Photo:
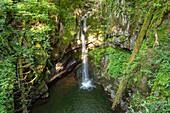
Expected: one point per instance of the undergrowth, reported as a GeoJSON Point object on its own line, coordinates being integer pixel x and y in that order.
{"type": "Point", "coordinates": [117, 60]}
{"type": "Point", "coordinates": [152, 63]}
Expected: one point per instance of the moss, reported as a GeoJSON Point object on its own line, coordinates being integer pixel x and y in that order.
{"type": "Point", "coordinates": [139, 79]}
{"type": "Point", "coordinates": [142, 34]}
{"type": "Point", "coordinates": [156, 22]}
{"type": "Point", "coordinates": [119, 92]}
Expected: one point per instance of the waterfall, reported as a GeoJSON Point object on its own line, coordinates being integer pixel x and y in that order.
{"type": "Point", "coordinates": [85, 73]}
{"type": "Point", "coordinates": [86, 82]}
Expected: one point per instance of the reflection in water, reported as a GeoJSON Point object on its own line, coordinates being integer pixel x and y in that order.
{"type": "Point", "coordinates": [67, 97]}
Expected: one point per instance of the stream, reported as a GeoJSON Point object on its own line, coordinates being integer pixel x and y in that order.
{"type": "Point", "coordinates": [67, 97]}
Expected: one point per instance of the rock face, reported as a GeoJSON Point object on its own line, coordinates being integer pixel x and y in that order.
{"type": "Point", "coordinates": [122, 33]}
{"type": "Point", "coordinates": [40, 90]}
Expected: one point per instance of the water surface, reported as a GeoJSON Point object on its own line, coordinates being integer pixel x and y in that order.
{"type": "Point", "coordinates": [67, 97]}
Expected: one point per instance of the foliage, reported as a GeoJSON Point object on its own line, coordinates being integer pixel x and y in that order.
{"type": "Point", "coordinates": [150, 104]}
{"type": "Point", "coordinates": [7, 67]}
{"type": "Point", "coordinates": [117, 60]}
{"type": "Point", "coordinates": [7, 70]}
{"type": "Point", "coordinates": [156, 69]}
{"type": "Point", "coordinates": [28, 29]}
{"type": "Point", "coordinates": [151, 62]}
{"type": "Point", "coordinates": [117, 63]}
{"type": "Point", "coordinates": [97, 55]}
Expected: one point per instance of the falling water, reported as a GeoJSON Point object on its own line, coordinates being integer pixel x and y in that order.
{"type": "Point", "coordinates": [86, 82]}
{"type": "Point", "coordinates": [85, 61]}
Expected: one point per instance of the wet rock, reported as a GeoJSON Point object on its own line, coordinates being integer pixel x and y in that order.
{"type": "Point", "coordinates": [109, 85]}
{"type": "Point", "coordinates": [125, 43]}
{"type": "Point", "coordinates": [39, 89]}
{"type": "Point", "coordinates": [42, 88]}
{"type": "Point", "coordinates": [112, 94]}
{"type": "Point", "coordinates": [124, 105]}
{"type": "Point", "coordinates": [133, 40]}
{"type": "Point", "coordinates": [46, 95]}
{"type": "Point", "coordinates": [117, 41]}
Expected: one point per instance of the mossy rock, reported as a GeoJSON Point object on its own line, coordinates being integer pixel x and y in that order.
{"type": "Point", "coordinates": [42, 88]}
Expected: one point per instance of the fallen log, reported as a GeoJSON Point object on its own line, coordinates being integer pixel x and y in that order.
{"type": "Point", "coordinates": [57, 75]}
{"type": "Point", "coordinates": [65, 71]}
